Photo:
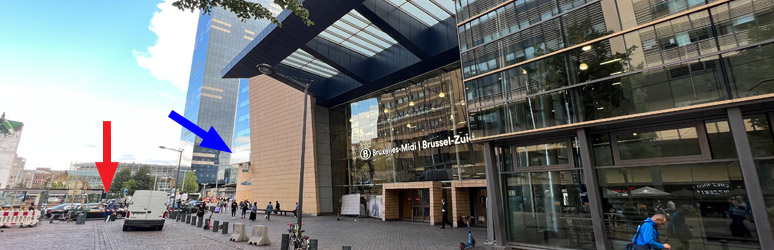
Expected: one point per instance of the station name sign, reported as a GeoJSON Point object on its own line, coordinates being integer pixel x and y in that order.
{"type": "Point", "coordinates": [368, 153]}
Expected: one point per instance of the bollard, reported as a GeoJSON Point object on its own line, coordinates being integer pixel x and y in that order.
{"type": "Point", "coordinates": [215, 226]}
{"type": "Point", "coordinates": [177, 217]}
{"type": "Point", "coordinates": [225, 227]}
{"type": "Point", "coordinates": [199, 221]}
{"type": "Point", "coordinates": [346, 248]}
{"type": "Point", "coordinates": [285, 243]}
{"type": "Point", "coordinates": [193, 220]}
{"type": "Point", "coordinates": [206, 224]}
{"type": "Point", "coordinates": [188, 219]}
{"type": "Point", "coordinates": [312, 244]}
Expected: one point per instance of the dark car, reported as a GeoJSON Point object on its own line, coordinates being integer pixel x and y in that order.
{"type": "Point", "coordinates": [60, 209]}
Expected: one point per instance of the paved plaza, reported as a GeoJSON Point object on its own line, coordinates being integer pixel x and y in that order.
{"type": "Point", "coordinates": [360, 233]}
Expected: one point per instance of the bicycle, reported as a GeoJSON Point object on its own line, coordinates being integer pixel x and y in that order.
{"type": "Point", "coordinates": [471, 242]}
{"type": "Point", "coordinates": [57, 218]}
{"type": "Point", "coordinates": [299, 241]}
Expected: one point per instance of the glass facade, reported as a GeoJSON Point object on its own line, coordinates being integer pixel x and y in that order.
{"type": "Point", "coordinates": [412, 131]}
{"type": "Point", "coordinates": [534, 65]}
{"type": "Point", "coordinates": [212, 101]}
{"type": "Point", "coordinates": [573, 63]}
{"type": "Point", "coordinates": [240, 147]}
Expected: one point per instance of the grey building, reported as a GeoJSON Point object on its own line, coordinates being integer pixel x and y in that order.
{"type": "Point", "coordinates": [595, 115]}
{"type": "Point", "coordinates": [211, 100]}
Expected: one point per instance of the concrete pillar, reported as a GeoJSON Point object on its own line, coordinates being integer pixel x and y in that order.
{"type": "Point", "coordinates": [391, 204]}
{"type": "Point", "coordinates": [461, 204]}
{"type": "Point", "coordinates": [436, 211]}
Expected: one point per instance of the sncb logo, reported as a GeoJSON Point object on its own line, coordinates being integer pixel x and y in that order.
{"type": "Point", "coordinates": [365, 154]}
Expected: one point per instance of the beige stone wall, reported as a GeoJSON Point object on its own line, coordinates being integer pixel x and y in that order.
{"type": "Point", "coordinates": [276, 112]}
{"type": "Point", "coordinates": [461, 199]}
{"type": "Point", "coordinates": [243, 192]}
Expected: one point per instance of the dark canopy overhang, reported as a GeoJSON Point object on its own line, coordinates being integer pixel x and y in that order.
{"type": "Point", "coordinates": [419, 48]}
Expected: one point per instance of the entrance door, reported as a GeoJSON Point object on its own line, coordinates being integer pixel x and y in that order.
{"type": "Point", "coordinates": [478, 206]}
{"type": "Point", "coordinates": [415, 205]}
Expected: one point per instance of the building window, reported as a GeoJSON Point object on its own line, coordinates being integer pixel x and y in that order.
{"type": "Point", "coordinates": [549, 208]}
{"type": "Point", "coordinates": [658, 144]}
{"type": "Point", "coordinates": [705, 204]}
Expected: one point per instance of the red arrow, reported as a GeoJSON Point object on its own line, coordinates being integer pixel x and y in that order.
{"type": "Point", "coordinates": [106, 168]}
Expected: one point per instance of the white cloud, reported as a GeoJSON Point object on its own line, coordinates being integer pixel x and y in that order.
{"type": "Point", "coordinates": [170, 58]}
{"type": "Point", "coordinates": [165, 95]}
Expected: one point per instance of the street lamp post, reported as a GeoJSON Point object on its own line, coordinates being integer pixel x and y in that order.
{"type": "Point", "coordinates": [177, 176]}
{"type": "Point", "coordinates": [269, 70]}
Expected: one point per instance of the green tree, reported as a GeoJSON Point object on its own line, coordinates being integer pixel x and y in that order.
{"type": "Point", "coordinates": [20, 186]}
{"type": "Point", "coordinates": [246, 9]}
{"type": "Point", "coordinates": [123, 175]}
{"type": "Point", "coordinates": [131, 185]}
{"type": "Point", "coordinates": [143, 178]}
{"type": "Point", "coordinates": [189, 183]}
{"type": "Point", "coordinates": [58, 185]}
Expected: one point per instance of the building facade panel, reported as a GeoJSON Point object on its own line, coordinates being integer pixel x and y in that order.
{"type": "Point", "coordinates": [650, 87]}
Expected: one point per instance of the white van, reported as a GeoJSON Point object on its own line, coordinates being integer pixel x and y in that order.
{"type": "Point", "coordinates": [146, 210]}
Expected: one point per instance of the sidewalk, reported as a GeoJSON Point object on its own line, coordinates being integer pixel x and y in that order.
{"type": "Point", "coordinates": [359, 233]}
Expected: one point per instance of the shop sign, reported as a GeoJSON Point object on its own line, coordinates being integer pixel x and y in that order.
{"type": "Point", "coordinates": [368, 153]}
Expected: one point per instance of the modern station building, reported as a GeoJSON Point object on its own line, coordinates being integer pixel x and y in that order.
{"type": "Point", "coordinates": [387, 111]}
{"type": "Point", "coordinates": [557, 124]}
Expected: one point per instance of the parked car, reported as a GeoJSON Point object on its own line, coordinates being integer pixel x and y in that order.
{"type": "Point", "coordinates": [148, 209]}
{"type": "Point", "coordinates": [60, 209]}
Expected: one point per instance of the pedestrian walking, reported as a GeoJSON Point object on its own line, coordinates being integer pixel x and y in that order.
{"type": "Point", "coordinates": [233, 209]}
{"type": "Point", "coordinates": [253, 211]}
{"type": "Point", "coordinates": [277, 209]}
{"type": "Point", "coordinates": [268, 211]}
{"type": "Point", "coordinates": [445, 214]}
{"type": "Point", "coordinates": [295, 211]}
{"type": "Point", "coordinates": [202, 208]}
{"type": "Point", "coordinates": [647, 235]}
{"type": "Point", "coordinates": [244, 209]}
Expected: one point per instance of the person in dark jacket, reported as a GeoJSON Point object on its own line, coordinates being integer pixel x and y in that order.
{"type": "Point", "coordinates": [253, 210]}
{"type": "Point", "coordinates": [201, 209]}
{"type": "Point", "coordinates": [445, 215]}
{"type": "Point", "coordinates": [233, 209]}
{"type": "Point", "coordinates": [647, 234]}
{"type": "Point", "coordinates": [244, 209]}
{"type": "Point", "coordinates": [277, 208]}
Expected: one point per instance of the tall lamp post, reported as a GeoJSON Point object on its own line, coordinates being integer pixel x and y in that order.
{"type": "Point", "coordinates": [269, 70]}
{"type": "Point", "coordinates": [177, 176]}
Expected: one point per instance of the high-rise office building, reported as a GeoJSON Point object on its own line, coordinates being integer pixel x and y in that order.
{"type": "Point", "coordinates": [596, 115]}
{"type": "Point", "coordinates": [10, 134]}
{"type": "Point", "coordinates": [211, 100]}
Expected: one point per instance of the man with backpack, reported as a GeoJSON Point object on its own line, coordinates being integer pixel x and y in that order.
{"type": "Point", "coordinates": [646, 236]}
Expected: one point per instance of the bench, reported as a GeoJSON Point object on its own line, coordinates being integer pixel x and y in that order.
{"type": "Point", "coordinates": [282, 212]}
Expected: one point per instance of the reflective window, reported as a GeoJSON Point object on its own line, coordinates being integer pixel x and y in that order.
{"type": "Point", "coordinates": [543, 155]}
{"type": "Point", "coordinates": [549, 208]}
{"type": "Point", "coordinates": [602, 149]}
{"type": "Point", "coordinates": [766, 176]}
{"type": "Point", "coordinates": [658, 144]}
{"type": "Point", "coordinates": [759, 133]}
{"type": "Point", "coordinates": [706, 205]}
{"type": "Point", "coordinates": [720, 139]}
{"type": "Point", "coordinates": [749, 70]}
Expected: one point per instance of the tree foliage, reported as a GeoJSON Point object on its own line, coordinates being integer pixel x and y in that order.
{"type": "Point", "coordinates": [246, 9]}
{"type": "Point", "coordinates": [59, 185]}
{"type": "Point", "coordinates": [123, 175]}
{"type": "Point", "coordinates": [20, 186]}
{"type": "Point", "coordinates": [143, 178]}
{"type": "Point", "coordinates": [189, 183]}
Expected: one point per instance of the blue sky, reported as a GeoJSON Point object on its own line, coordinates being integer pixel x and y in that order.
{"type": "Point", "coordinates": [68, 65]}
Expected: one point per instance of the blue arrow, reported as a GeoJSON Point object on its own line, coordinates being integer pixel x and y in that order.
{"type": "Point", "coordinates": [210, 139]}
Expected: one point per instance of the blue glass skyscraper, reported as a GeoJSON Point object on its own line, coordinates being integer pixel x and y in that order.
{"type": "Point", "coordinates": [212, 100]}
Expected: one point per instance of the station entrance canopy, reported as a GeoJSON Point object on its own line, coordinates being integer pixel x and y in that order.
{"type": "Point", "coordinates": [355, 47]}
